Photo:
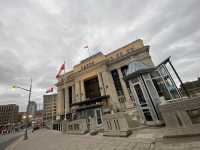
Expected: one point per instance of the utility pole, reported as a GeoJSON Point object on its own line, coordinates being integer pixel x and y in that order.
{"type": "Point", "coordinates": [29, 98]}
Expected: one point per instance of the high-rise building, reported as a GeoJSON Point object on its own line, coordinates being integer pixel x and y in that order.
{"type": "Point", "coordinates": [8, 114]}
{"type": "Point", "coordinates": [32, 108]}
{"type": "Point", "coordinates": [49, 108]}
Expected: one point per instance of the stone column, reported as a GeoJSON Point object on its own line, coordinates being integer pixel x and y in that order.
{"type": "Point", "coordinates": [83, 97]}
{"type": "Point", "coordinates": [129, 103]}
{"type": "Point", "coordinates": [60, 102]}
{"type": "Point", "coordinates": [110, 89]}
{"type": "Point", "coordinates": [67, 99]}
{"type": "Point", "coordinates": [77, 91]}
{"type": "Point", "coordinates": [101, 84]}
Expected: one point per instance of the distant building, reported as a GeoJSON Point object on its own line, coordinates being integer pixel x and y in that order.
{"type": "Point", "coordinates": [38, 119]}
{"type": "Point", "coordinates": [49, 108]}
{"type": "Point", "coordinates": [8, 114]}
{"type": "Point", "coordinates": [193, 87]}
{"type": "Point", "coordinates": [32, 108]}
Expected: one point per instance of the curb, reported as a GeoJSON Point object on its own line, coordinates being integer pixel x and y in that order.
{"type": "Point", "coordinates": [14, 144]}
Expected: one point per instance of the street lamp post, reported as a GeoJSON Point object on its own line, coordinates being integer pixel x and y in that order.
{"type": "Point", "coordinates": [29, 97]}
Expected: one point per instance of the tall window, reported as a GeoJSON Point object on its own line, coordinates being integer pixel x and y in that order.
{"type": "Point", "coordinates": [92, 89]}
{"type": "Point", "coordinates": [117, 82]}
{"type": "Point", "coordinates": [160, 86]}
{"type": "Point", "coordinates": [140, 94]}
{"type": "Point", "coordinates": [168, 81]}
{"type": "Point", "coordinates": [124, 71]}
{"type": "Point", "coordinates": [70, 95]}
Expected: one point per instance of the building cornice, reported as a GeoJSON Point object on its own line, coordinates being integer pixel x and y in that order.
{"type": "Point", "coordinates": [128, 55]}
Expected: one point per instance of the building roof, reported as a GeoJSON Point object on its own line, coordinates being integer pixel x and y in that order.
{"type": "Point", "coordinates": [110, 58]}
{"type": "Point", "coordinates": [99, 53]}
{"type": "Point", "coordinates": [136, 68]}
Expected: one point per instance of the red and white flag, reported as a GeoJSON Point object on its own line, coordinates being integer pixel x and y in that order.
{"type": "Point", "coordinates": [49, 90]}
{"type": "Point", "coordinates": [62, 68]}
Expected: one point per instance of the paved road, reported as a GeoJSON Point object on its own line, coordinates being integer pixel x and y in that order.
{"type": "Point", "coordinates": [6, 140]}
{"type": "Point", "coordinates": [53, 140]}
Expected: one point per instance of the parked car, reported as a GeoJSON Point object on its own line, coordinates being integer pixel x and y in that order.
{"type": "Point", "coordinates": [4, 131]}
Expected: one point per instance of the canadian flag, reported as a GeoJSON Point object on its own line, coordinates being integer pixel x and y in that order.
{"type": "Point", "coordinates": [62, 68]}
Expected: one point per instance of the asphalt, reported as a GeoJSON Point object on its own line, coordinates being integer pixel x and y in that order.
{"type": "Point", "coordinates": [6, 140]}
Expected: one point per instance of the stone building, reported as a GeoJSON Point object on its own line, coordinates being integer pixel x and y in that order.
{"type": "Point", "coordinates": [95, 86]}
{"type": "Point", "coordinates": [193, 87]}
{"type": "Point", "coordinates": [8, 114]}
{"type": "Point", "coordinates": [49, 108]}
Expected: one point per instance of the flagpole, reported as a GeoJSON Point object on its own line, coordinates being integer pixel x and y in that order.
{"type": "Point", "coordinates": [88, 51]}
{"type": "Point", "coordinates": [64, 66]}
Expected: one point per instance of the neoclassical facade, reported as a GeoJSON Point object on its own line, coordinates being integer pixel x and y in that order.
{"type": "Point", "coordinates": [95, 86]}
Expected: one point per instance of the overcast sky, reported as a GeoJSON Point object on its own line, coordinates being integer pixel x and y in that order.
{"type": "Point", "coordinates": [36, 36]}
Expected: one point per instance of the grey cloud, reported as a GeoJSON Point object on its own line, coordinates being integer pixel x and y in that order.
{"type": "Point", "coordinates": [10, 67]}
{"type": "Point", "coordinates": [37, 36]}
{"type": "Point", "coordinates": [10, 95]}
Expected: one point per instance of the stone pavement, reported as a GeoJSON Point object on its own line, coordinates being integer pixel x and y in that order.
{"type": "Point", "coordinates": [143, 140]}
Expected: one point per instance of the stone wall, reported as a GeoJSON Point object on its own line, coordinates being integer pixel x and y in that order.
{"type": "Point", "coordinates": [75, 126]}
{"type": "Point", "coordinates": [182, 117]}
{"type": "Point", "coordinates": [116, 125]}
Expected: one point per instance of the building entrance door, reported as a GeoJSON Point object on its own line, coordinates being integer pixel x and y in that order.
{"type": "Point", "coordinates": [142, 101]}
{"type": "Point", "coordinates": [98, 114]}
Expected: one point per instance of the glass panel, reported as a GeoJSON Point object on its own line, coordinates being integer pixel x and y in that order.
{"type": "Point", "coordinates": [92, 89]}
{"type": "Point", "coordinates": [99, 119]}
{"type": "Point", "coordinates": [162, 71]}
{"type": "Point", "coordinates": [117, 82]}
{"type": "Point", "coordinates": [70, 95]}
{"type": "Point", "coordinates": [147, 115]}
{"type": "Point", "coordinates": [168, 81]}
{"type": "Point", "coordinates": [152, 89]}
{"type": "Point", "coordinates": [154, 74]}
{"type": "Point", "coordinates": [171, 87]}
{"type": "Point", "coordinates": [134, 80]}
{"type": "Point", "coordinates": [124, 70]}
{"type": "Point", "coordinates": [140, 94]}
{"type": "Point", "coordinates": [161, 88]}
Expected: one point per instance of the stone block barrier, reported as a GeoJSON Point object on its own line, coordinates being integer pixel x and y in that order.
{"type": "Point", "coordinates": [75, 127]}
{"type": "Point", "coordinates": [115, 125]}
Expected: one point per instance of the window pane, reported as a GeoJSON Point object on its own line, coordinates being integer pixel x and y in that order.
{"type": "Point", "coordinates": [161, 88]}
{"type": "Point", "coordinates": [147, 115]}
{"type": "Point", "coordinates": [99, 120]}
{"type": "Point", "coordinates": [139, 94]}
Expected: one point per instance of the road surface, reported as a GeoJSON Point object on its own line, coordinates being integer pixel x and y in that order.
{"type": "Point", "coordinates": [6, 140]}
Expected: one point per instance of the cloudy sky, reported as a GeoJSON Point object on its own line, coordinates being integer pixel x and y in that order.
{"type": "Point", "coordinates": [36, 36]}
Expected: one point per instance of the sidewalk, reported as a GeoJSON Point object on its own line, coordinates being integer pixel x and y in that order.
{"type": "Point", "coordinates": [53, 140]}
